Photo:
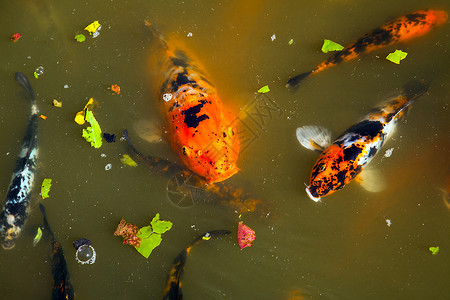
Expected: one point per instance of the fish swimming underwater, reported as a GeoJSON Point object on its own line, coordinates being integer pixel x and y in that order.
{"type": "Point", "coordinates": [401, 29]}
{"type": "Point", "coordinates": [223, 193]}
{"type": "Point", "coordinates": [62, 287]}
{"type": "Point", "coordinates": [17, 202]}
{"type": "Point", "coordinates": [340, 162]}
{"type": "Point", "coordinates": [172, 290]}
{"type": "Point", "coordinates": [199, 129]}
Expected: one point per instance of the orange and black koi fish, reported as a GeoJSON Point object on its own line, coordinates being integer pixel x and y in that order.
{"type": "Point", "coordinates": [342, 161]}
{"type": "Point", "coordinates": [199, 129]}
{"type": "Point", "coordinates": [172, 290]}
{"type": "Point", "coordinates": [62, 287]}
{"type": "Point", "coordinates": [401, 29]}
{"type": "Point", "coordinates": [219, 192]}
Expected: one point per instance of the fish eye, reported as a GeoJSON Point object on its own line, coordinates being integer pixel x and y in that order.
{"type": "Point", "coordinates": [322, 167]}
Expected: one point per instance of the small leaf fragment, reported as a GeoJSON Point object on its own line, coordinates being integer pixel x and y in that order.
{"type": "Point", "coordinates": [57, 103]}
{"type": "Point", "coordinates": [91, 28]}
{"type": "Point", "coordinates": [291, 41]}
{"type": "Point", "coordinates": [45, 187]}
{"type": "Point", "coordinates": [331, 46]}
{"type": "Point", "coordinates": [110, 138]}
{"type": "Point", "coordinates": [264, 89]}
{"type": "Point", "coordinates": [434, 250]}
{"type": "Point", "coordinates": [115, 88]}
{"type": "Point", "coordinates": [245, 235]}
{"type": "Point", "coordinates": [160, 226]}
{"type": "Point", "coordinates": [43, 117]}
{"type": "Point", "coordinates": [80, 38]}
{"type": "Point", "coordinates": [396, 56]}
{"type": "Point", "coordinates": [127, 160]}
{"type": "Point", "coordinates": [37, 237]}
{"type": "Point", "coordinates": [15, 37]}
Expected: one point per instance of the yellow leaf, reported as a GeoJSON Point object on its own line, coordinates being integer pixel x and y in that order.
{"type": "Point", "coordinates": [127, 160]}
{"type": "Point", "coordinates": [79, 118]}
{"type": "Point", "coordinates": [57, 103]}
{"type": "Point", "coordinates": [92, 27]}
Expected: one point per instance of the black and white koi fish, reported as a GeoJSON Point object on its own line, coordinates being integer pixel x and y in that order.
{"type": "Point", "coordinates": [172, 290]}
{"type": "Point", "coordinates": [17, 202]}
{"type": "Point", "coordinates": [341, 162]}
{"type": "Point", "coordinates": [62, 287]}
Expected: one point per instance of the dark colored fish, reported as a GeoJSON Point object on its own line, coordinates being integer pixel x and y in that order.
{"type": "Point", "coordinates": [17, 202]}
{"type": "Point", "coordinates": [172, 290]}
{"type": "Point", "coordinates": [62, 287]}
{"type": "Point", "coordinates": [344, 160]}
{"type": "Point", "coordinates": [219, 192]}
{"type": "Point", "coordinates": [399, 30]}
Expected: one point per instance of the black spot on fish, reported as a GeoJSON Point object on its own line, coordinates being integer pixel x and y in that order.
{"type": "Point", "coordinates": [367, 128]}
{"type": "Point", "coordinates": [378, 36]}
{"type": "Point", "coordinates": [179, 62]}
{"type": "Point", "coordinates": [416, 18]}
{"type": "Point", "coordinates": [182, 79]}
{"type": "Point", "coordinates": [190, 115]}
{"type": "Point", "coordinates": [373, 151]}
{"type": "Point", "coordinates": [351, 153]}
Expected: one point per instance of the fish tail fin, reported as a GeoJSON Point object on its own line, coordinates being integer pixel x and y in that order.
{"type": "Point", "coordinates": [293, 82]}
{"type": "Point", "coordinates": [172, 289]}
{"type": "Point", "coordinates": [157, 34]}
{"type": "Point", "coordinates": [46, 224]}
{"type": "Point", "coordinates": [25, 83]}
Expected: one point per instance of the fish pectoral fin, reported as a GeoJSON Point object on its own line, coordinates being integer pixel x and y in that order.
{"type": "Point", "coordinates": [371, 180]}
{"type": "Point", "coordinates": [314, 137]}
{"type": "Point", "coordinates": [148, 130]}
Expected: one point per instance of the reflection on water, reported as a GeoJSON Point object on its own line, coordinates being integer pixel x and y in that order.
{"type": "Point", "coordinates": [340, 248]}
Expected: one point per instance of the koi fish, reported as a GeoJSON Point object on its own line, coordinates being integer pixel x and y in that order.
{"type": "Point", "coordinates": [62, 287]}
{"type": "Point", "coordinates": [17, 202]}
{"type": "Point", "coordinates": [200, 189]}
{"type": "Point", "coordinates": [199, 129]}
{"type": "Point", "coordinates": [341, 162]}
{"type": "Point", "coordinates": [172, 290]}
{"type": "Point", "coordinates": [401, 29]}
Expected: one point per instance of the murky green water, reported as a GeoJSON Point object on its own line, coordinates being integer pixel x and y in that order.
{"type": "Point", "coordinates": [341, 248]}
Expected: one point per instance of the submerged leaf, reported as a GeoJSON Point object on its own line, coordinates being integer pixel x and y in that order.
{"type": "Point", "coordinates": [331, 46]}
{"type": "Point", "coordinates": [396, 56]}
{"type": "Point", "coordinates": [264, 89]}
{"type": "Point", "coordinates": [45, 187]}
{"type": "Point", "coordinates": [127, 160]}
{"type": "Point", "coordinates": [37, 237]}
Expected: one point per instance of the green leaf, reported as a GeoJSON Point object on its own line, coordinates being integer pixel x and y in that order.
{"type": "Point", "coordinates": [127, 160]}
{"type": "Point", "coordinates": [291, 41]}
{"type": "Point", "coordinates": [45, 187]}
{"type": "Point", "coordinates": [396, 56]}
{"type": "Point", "coordinates": [434, 250]}
{"type": "Point", "coordinates": [145, 232]}
{"type": "Point", "coordinates": [92, 134]}
{"type": "Point", "coordinates": [160, 226]}
{"type": "Point", "coordinates": [80, 38]}
{"type": "Point", "coordinates": [148, 244]}
{"type": "Point", "coordinates": [37, 237]}
{"type": "Point", "coordinates": [264, 89]}
{"type": "Point", "coordinates": [331, 46]}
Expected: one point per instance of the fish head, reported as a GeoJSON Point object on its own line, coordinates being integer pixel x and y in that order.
{"type": "Point", "coordinates": [437, 17]}
{"type": "Point", "coordinates": [329, 173]}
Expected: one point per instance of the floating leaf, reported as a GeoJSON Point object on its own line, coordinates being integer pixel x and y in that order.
{"type": "Point", "coordinates": [37, 237]}
{"type": "Point", "coordinates": [264, 89]}
{"type": "Point", "coordinates": [396, 56]}
{"type": "Point", "coordinates": [57, 103]}
{"type": "Point", "coordinates": [331, 46]}
{"type": "Point", "coordinates": [291, 41]}
{"type": "Point", "coordinates": [115, 88]}
{"type": "Point", "coordinates": [245, 235]}
{"type": "Point", "coordinates": [127, 160]}
{"type": "Point", "coordinates": [93, 133]}
{"type": "Point", "coordinates": [15, 37]}
{"type": "Point", "coordinates": [43, 117]}
{"type": "Point", "coordinates": [45, 187]}
{"type": "Point", "coordinates": [79, 118]}
{"type": "Point", "coordinates": [80, 38]}
{"type": "Point", "coordinates": [434, 250]}
{"type": "Point", "coordinates": [110, 138]}
{"type": "Point", "coordinates": [91, 28]}
{"type": "Point", "coordinates": [148, 244]}
{"type": "Point", "coordinates": [160, 226]}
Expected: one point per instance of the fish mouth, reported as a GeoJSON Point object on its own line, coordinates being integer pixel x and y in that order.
{"type": "Point", "coordinates": [315, 199]}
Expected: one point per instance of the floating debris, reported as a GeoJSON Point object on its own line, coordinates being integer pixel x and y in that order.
{"type": "Point", "coordinates": [331, 46]}
{"type": "Point", "coordinates": [80, 38]}
{"type": "Point", "coordinates": [85, 252]}
{"type": "Point", "coordinates": [264, 89]}
{"type": "Point", "coordinates": [15, 37]}
{"type": "Point", "coordinates": [396, 56]}
{"type": "Point", "coordinates": [245, 235]}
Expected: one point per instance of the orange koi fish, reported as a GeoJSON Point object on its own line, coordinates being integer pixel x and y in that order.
{"type": "Point", "coordinates": [401, 29]}
{"type": "Point", "coordinates": [341, 162]}
{"type": "Point", "coordinates": [199, 129]}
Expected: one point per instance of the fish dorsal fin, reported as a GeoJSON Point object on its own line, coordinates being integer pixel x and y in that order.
{"type": "Point", "coordinates": [148, 130]}
{"type": "Point", "coordinates": [314, 137]}
{"type": "Point", "coordinates": [371, 180]}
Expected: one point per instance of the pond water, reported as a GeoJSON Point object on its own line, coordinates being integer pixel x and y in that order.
{"type": "Point", "coordinates": [352, 245]}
